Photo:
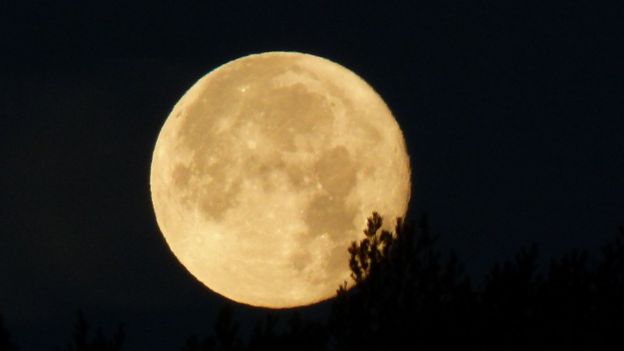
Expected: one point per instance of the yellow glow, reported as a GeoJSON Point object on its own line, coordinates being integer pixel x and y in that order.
{"type": "Point", "coordinates": [266, 170]}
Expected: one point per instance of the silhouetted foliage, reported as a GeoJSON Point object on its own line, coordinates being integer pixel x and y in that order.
{"type": "Point", "coordinates": [226, 330]}
{"type": "Point", "coordinates": [404, 290]}
{"type": "Point", "coordinates": [83, 341]}
{"type": "Point", "coordinates": [299, 335]}
{"type": "Point", "coordinates": [407, 295]}
{"type": "Point", "coordinates": [507, 302]}
{"type": "Point", "coordinates": [193, 343]}
{"type": "Point", "coordinates": [224, 335]}
{"type": "Point", "coordinates": [5, 338]}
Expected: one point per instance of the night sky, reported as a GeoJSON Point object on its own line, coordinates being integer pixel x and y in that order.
{"type": "Point", "coordinates": [513, 115]}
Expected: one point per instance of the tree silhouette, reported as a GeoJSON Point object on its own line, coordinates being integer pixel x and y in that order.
{"type": "Point", "coordinates": [5, 338]}
{"type": "Point", "coordinates": [193, 343]}
{"type": "Point", "coordinates": [82, 340]}
{"type": "Point", "coordinates": [403, 290]}
{"type": "Point", "coordinates": [299, 335]}
{"type": "Point", "coordinates": [607, 294]}
{"type": "Point", "coordinates": [407, 295]}
{"type": "Point", "coordinates": [264, 334]}
{"type": "Point", "coordinates": [226, 330]}
{"type": "Point", "coordinates": [224, 335]}
{"type": "Point", "coordinates": [508, 301]}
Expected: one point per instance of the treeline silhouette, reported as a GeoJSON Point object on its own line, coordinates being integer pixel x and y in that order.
{"type": "Point", "coordinates": [5, 338]}
{"type": "Point", "coordinates": [84, 340]}
{"type": "Point", "coordinates": [407, 295]}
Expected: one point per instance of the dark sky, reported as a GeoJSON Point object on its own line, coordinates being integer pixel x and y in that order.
{"type": "Point", "coordinates": [513, 115]}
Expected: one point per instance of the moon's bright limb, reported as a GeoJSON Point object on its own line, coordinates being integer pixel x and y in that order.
{"type": "Point", "coordinates": [266, 170]}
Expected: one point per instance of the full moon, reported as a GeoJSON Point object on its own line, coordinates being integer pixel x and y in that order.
{"type": "Point", "coordinates": [266, 170]}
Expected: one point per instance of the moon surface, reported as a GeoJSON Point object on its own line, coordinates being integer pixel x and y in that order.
{"type": "Point", "coordinates": [267, 169]}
